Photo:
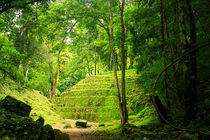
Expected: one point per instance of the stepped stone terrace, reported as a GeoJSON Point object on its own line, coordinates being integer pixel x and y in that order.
{"type": "Point", "coordinates": [94, 98]}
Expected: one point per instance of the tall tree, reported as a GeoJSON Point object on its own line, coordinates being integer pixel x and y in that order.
{"type": "Point", "coordinates": [123, 59]}
{"type": "Point", "coordinates": [110, 34]}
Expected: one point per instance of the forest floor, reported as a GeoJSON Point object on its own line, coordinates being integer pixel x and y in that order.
{"type": "Point", "coordinates": [77, 133]}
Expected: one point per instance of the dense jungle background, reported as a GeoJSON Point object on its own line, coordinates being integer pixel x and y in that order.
{"type": "Point", "coordinates": [120, 69]}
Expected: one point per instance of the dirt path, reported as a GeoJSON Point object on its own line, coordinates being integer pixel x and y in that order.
{"type": "Point", "coordinates": [77, 133]}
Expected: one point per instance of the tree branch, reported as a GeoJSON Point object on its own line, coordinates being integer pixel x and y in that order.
{"type": "Point", "coordinates": [12, 5]}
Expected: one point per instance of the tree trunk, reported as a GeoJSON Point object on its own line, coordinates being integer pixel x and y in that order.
{"type": "Point", "coordinates": [51, 80]}
{"type": "Point", "coordinates": [187, 71]}
{"type": "Point", "coordinates": [95, 68]}
{"type": "Point", "coordinates": [56, 75]}
{"type": "Point", "coordinates": [107, 62]}
{"type": "Point", "coordinates": [126, 56]}
{"type": "Point", "coordinates": [176, 50]}
{"type": "Point", "coordinates": [111, 61]}
{"type": "Point", "coordinates": [193, 62]}
{"type": "Point", "coordinates": [99, 63]}
{"type": "Point", "coordinates": [164, 51]}
{"type": "Point", "coordinates": [88, 67]}
{"type": "Point", "coordinates": [183, 67]}
{"type": "Point", "coordinates": [26, 75]}
{"type": "Point", "coordinates": [116, 62]}
{"type": "Point", "coordinates": [114, 65]}
{"type": "Point", "coordinates": [125, 112]}
{"type": "Point", "coordinates": [131, 62]}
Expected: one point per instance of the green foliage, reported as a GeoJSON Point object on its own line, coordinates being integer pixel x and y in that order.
{"type": "Point", "coordinates": [148, 76]}
{"type": "Point", "coordinates": [188, 136]}
{"type": "Point", "coordinates": [8, 58]}
{"type": "Point", "coordinates": [203, 65]}
{"type": "Point", "coordinates": [33, 35]}
{"type": "Point", "coordinates": [39, 78]}
{"type": "Point", "coordinates": [71, 73]}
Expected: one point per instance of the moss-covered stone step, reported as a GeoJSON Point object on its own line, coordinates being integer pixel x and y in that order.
{"type": "Point", "coordinates": [132, 78]}
{"type": "Point", "coordinates": [88, 109]}
{"type": "Point", "coordinates": [95, 84]}
{"type": "Point", "coordinates": [84, 101]}
{"type": "Point", "coordinates": [83, 93]}
{"type": "Point", "coordinates": [94, 116]}
{"type": "Point", "coordinates": [90, 89]}
{"type": "Point", "coordinates": [94, 98]}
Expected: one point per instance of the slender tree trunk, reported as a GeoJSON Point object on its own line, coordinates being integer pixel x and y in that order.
{"type": "Point", "coordinates": [164, 51]}
{"type": "Point", "coordinates": [193, 62]}
{"type": "Point", "coordinates": [116, 62]}
{"type": "Point", "coordinates": [111, 61]}
{"type": "Point", "coordinates": [88, 67]}
{"type": "Point", "coordinates": [131, 62]}
{"type": "Point", "coordinates": [172, 59]}
{"type": "Point", "coordinates": [114, 66]}
{"type": "Point", "coordinates": [26, 75]}
{"type": "Point", "coordinates": [56, 75]}
{"type": "Point", "coordinates": [125, 112]}
{"type": "Point", "coordinates": [50, 74]}
{"type": "Point", "coordinates": [95, 69]}
{"type": "Point", "coordinates": [176, 50]}
{"type": "Point", "coordinates": [99, 65]}
{"type": "Point", "coordinates": [107, 62]}
{"type": "Point", "coordinates": [126, 56]}
{"type": "Point", "coordinates": [51, 80]}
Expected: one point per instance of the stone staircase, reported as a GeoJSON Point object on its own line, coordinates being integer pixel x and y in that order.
{"type": "Point", "coordinates": [94, 98]}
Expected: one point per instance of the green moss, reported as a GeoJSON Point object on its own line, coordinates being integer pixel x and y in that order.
{"type": "Point", "coordinates": [113, 130]}
{"type": "Point", "coordinates": [39, 103]}
{"type": "Point", "coordinates": [67, 126]}
{"type": "Point", "coordinates": [146, 116]}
